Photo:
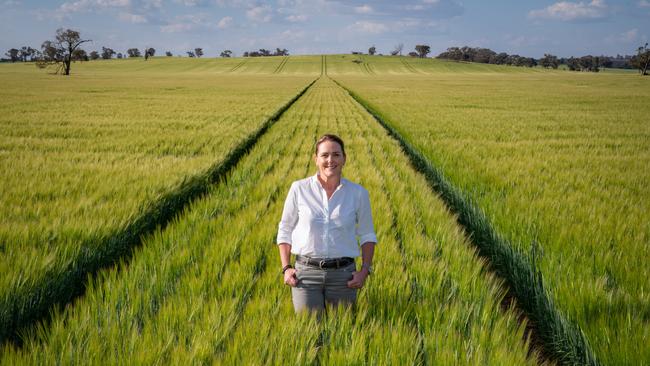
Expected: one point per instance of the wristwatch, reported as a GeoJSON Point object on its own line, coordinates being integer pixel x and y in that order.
{"type": "Point", "coordinates": [284, 269]}
{"type": "Point", "coordinates": [368, 267]}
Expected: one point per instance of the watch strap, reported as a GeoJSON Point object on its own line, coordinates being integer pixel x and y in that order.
{"type": "Point", "coordinates": [284, 269]}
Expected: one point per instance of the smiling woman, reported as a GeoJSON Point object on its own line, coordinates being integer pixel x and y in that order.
{"type": "Point", "coordinates": [323, 217]}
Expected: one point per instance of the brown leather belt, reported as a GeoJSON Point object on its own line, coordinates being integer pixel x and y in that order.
{"type": "Point", "coordinates": [325, 263]}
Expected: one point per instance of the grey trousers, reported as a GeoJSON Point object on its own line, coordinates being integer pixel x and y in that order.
{"type": "Point", "coordinates": [318, 287]}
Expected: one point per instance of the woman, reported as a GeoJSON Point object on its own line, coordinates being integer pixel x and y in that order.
{"type": "Point", "coordinates": [323, 217]}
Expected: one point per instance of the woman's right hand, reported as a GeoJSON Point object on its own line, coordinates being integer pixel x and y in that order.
{"type": "Point", "coordinates": [290, 277]}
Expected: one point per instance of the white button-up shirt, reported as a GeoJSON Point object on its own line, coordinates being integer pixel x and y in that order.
{"type": "Point", "coordinates": [326, 228]}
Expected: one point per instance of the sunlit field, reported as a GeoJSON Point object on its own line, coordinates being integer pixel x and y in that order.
{"type": "Point", "coordinates": [557, 160]}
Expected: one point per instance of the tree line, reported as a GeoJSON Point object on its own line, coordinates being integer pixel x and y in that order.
{"type": "Point", "coordinates": [66, 48]}
{"type": "Point", "coordinates": [640, 61]}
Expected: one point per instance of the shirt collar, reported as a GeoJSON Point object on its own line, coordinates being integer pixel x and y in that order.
{"type": "Point", "coordinates": [315, 181]}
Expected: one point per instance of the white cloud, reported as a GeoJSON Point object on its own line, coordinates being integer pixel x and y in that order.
{"type": "Point", "coordinates": [261, 13]}
{"type": "Point", "coordinates": [292, 36]}
{"type": "Point", "coordinates": [567, 11]}
{"type": "Point", "coordinates": [189, 2]}
{"type": "Point", "coordinates": [296, 18]}
{"type": "Point", "coordinates": [89, 5]}
{"type": "Point", "coordinates": [363, 9]}
{"type": "Point", "coordinates": [368, 27]}
{"type": "Point", "coordinates": [224, 23]}
{"type": "Point", "coordinates": [132, 18]}
{"type": "Point", "coordinates": [176, 27]}
{"type": "Point", "coordinates": [184, 23]}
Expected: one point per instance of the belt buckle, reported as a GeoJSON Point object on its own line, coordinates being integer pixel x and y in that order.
{"type": "Point", "coordinates": [321, 263]}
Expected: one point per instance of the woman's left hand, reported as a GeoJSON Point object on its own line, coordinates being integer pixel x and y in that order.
{"type": "Point", "coordinates": [358, 278]}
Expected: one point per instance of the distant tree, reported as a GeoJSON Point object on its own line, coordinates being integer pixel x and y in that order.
{"type": "Point", "coordinates": [422, 50]}
{"type": "Point", "coordinates": [589, 63]}
{"type": "Point", "coordinates": [499, 59]}
{"type": "Point", "coordinates": [482, 55]}
{"type": "Point", "coordinates": [107, 53]}
{"type": "Point", "coordinates": [60, 52]}
{"type": "Point", "coordinates": [413, 54]}
{"type": "Point", "coordinates": [149, 52]}
{"type": "Point", "coordinates": [264, 52]}
{"type": "Point", "coordinates": [606, 61]}
{"type": "Point", "coordinates": [573, 64]}
{"type": "Point", "coordinates": [246, 54]}
{"type": "Point", "coordinates": [79, 55]}
{"type": "Point", "coordinates": [190, 54]}
{"type": "Point", "coordinates": [281, 52]}
{"type": "Point", "coordinates": [13, 54]}
{"type": "Point", "coordinates": [397, 50]}
{"type": "Point", "coordinates": [549, 61]}
{"type": "Point", "coordinates": [226, 53]}
{"type": "Point", "coordinates": [26, 52]}
{"type": "Point", "coordinates": [642, 59]}
{"type": "Point", "coordinates": [94, 55]}
{"type": "Point", "coordinates": [372, 50]}
{"type": "Point", "coordinates": [198, 52]}
{"type": "Point", "coordinates": [133, 52]}
{"type": "Point", "coordinates": [120, 55]}
{"type": "Point", "coordinates": [50, 52]}
{"type": "Point", "coordinates": [168, 54]}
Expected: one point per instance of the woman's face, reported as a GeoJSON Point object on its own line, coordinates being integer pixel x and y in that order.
{"type": "Point", "coordinates": [330, 159]}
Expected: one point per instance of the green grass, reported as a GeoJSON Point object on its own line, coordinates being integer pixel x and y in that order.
{"type": "Point", "coordinates": [554, 158]}
{"type": "Point", "coordinates": [83, 156]}
{"type": "Point", "coordinates": [207, 289]}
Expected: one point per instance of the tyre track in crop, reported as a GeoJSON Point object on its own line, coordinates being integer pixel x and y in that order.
{"type": "Point", "coordinates": [556, 337]}
{"type": "Point", "coordinates": [409, 66]}
{"type": "Point", "coordinates": [281, 65]}
{"type": "Point", "coordinates": [220, 345]}
{"type": "Point", "coordinates": [367, 66]}
{"type": "Point", "coordinates": [239, 65]}
{"type": "Point", "coordinates": [234, 255]}
{"type": "Point", "coordinates": [421, 358]}
{"type": "Point", "coordinates": [24, 307]}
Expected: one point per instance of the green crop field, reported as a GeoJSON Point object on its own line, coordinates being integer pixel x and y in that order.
{"type": "Point", "coordinates": [184, 165]}
{"type": "Point", "coordinates": [557, 160]}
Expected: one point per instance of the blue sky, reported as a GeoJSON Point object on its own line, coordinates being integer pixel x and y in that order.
{"type": "Point", "coordinates": [528, 28]}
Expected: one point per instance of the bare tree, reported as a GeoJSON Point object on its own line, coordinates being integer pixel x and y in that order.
{"type": "Point", "coordinates": [398, 50]}
{"type": "Point", "coordinates": [61, 51]}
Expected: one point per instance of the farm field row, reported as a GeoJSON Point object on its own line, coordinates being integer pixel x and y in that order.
{"type": "Point", "coordinates": [558, 161]}
{"type": "Point", "coordinates": [81, 157]}
{"type": "Point", "coordinates": [336, 65]}
{"type": "Point", "coordinates": [207, 288]}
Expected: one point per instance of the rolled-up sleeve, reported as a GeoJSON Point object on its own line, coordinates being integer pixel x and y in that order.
{"type": "Point", "coordinates": [365, 229]}
{"type": "Point", "coordinates": [289, 217]}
